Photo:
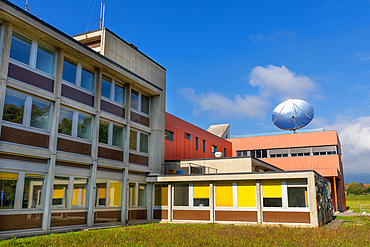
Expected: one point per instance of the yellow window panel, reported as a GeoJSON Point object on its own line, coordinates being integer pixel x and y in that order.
{"type": "Point", "coordinates": [164, 194]}
{"type": "Point", "coordinates": [35, 175]}
{"type": "Point", "coordinates": [57, 194]}
{"type": "Point", "coordinates": [8, 176]}
{"type": "Point", "coordinates": [75, 197]}
{"type": "Point", "coordinates": [102, 193]}
{"type": "Point", "coordinates": [272, 190]}
{"type": "Point", "coordinates": [306, 197]}
{"type": "Point", "coordinates": [246, 194]}
{"type": "Point", "coordinates": [83, 197]}
{"type": "Point", "coordinates": [224, 195]}
{"type": "Point", "coordinates": [115, 194]}
{"type": "Point", "coordinates": [201, 191]}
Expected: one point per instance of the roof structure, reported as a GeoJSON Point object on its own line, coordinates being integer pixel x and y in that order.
{"type": "Point", "coordinates": [220, 130]}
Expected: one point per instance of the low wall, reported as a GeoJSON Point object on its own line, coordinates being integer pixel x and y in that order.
{"type": "Point", "coordinates": [325, 209]}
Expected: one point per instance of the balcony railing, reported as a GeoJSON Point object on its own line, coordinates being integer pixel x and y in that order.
{"type": "Point", "coordinates": [175, 168]}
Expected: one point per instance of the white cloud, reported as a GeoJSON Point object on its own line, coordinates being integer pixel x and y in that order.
{"type": "Point", "coordinates": [260, 37]}
{"type": "Point", "coordinates": [274, 82]}
{"type": "Point", "coordinates": [362, 56]}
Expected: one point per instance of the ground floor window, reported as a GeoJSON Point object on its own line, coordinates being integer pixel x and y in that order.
{"type": "Point", "coordinates": [161, 195]}
{"type": "Point", "coordinates": [8, 186]}
{"type": "Point", "coordinates": [137, 194]}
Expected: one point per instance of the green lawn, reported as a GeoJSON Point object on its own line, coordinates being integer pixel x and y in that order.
{"type": "Point", "coordinates": [353, 202]}
{"type": "Point", "coordinates": [206, 235]}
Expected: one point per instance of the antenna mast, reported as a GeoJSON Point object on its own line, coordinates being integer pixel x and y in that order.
{"type": "Point", "coordinates": [102, 11]}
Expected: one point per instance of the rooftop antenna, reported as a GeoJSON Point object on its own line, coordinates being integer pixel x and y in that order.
{"type": "Point", "coordinates": [28, 9]}
{"type": "Point", "coordinates": [102, 11]}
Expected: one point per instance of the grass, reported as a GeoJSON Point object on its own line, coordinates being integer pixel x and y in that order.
{"type": "Point", "coordinates": [205, 235]}
{"type": "Point", "coordinates": [353, 202]}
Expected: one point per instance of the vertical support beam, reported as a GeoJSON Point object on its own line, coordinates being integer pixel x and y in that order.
{"type": "Point", "coordinates": [212, 202]}
{"type": "Point", "coordinates": [94, 149]}
{"type": "Point", "coordinates": [259, 203]}
{"type": "Point", "coordinates": [312, 203]}
{"type": "Point", "coordinates": [46, 219]}
{"type": "Point", "coordinates": [149, 202]}
{"type": "Point", "coordinates": [124, 206]}
{"type": "Point", "coordinates": [4, 66]}
{"type": "Point", "coordinates": [335, 193]}
{"type": "Point", "coordinates": [169, 217]}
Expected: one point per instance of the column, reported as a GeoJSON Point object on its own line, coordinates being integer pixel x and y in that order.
{"type": "Point", "coordinates": [311, 191]}
{"type": "Point", "coordinates": [46, 219]}
{"type": "Point", "coordinates": [259, 203]}
{"type": "Point", "coordinates": [149, 203]}
{"type": "Point", "coordinates": [212, 203]}
{"type": "Point", "coordinates": [4, 65]}
{"type": "Point", "coordinates": [169, 211]}
{"type": "Point", "coordinates": [335, 194]}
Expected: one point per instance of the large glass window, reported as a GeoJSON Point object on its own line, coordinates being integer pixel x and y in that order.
{"type": "Point", "coordinates": [111, 134]}
{"type": "Point", "coordinates": [32, 192]}
{"type": "Point", "coordinates": [297, 197]}
{"type": "Point", "coordinates": [60, 192]}
{"type": "Point", "coordinates": [145, 104]}
{"type": "Point", "coordinates": [115, 194]}
{"type": "Point", "coordinates": [79, 192]}
{"type": "Point", "coordinates": [45, 59]}
{"type": "Point", "coordinates": [142, 195]}
{"type": "Point", "coordinates": [84, 129]}
{"type": "Point", "coordinates": [75, 124]}
{"type": "Point", "coordinates": [101, 193]}
{"type": "Point", "coordinates": [103, 132]}
{"type": "Point", "coordinates": [118, 133]}
{"type": "Point", "coordinates": [69, 70]}
{"type": "Point", "coordinates": [65, 122]}
{"type": "Point", "coordinates": [75, 73]}
{"type": "Point", "coordinates": [106, 84]}
{"type": "Point", "coordinates": [201, 195]}
{"type": "Point", "coordinates": [161, 195]}
{"type": "Point", "coordinates": [87, 79]}
{"type": "Point", "coordinates": [131, 194]}
{"type": "Point", "coordinates": [8, 187]}
{"type": "Point", "coordinates": [134, 100]}
{"type": "Point", "coordinates": [272, 194]}
{"type": "Point", "coordinates": [133, 139]}
{"type": "Point", "coordinates": [112, 90]}
{"type": "Point", "coordinates": [26, 110]}
{"type": "Point", "coordinates": [144, 142]}
{"type": "Point", "coordinates": [140, 102]}
{"type": "Point", "coordinates": [20, 49]}
{"type": "Point", "coordinates": [181, 195]}
{"type": "Point", "coordinates": [119, 93]}
{"type": "Point", "coordinates": [139, 143]}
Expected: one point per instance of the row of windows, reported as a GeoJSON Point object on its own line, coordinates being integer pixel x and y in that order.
{"type": "Point", "coordinates": [240, 194]}
{"type": "Point", "coordinates": [37, 56]}
{"type": "Point", "coordinates": [32, 112]}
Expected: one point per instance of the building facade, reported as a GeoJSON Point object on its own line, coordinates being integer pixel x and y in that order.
{"type": "Point", "coordinates": [81, 125]}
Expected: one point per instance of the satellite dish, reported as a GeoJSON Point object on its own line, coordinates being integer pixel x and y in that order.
{"type": "Point", "coordinates": [292, 114]}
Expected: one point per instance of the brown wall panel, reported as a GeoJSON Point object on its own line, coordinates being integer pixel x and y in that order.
{"type": "Point", "coordinates": [93, 44]}
{"type": "Point", "coordinates": [107, 216]}
{"type": "Point", "coordinates": [287, 217]}
{"type": "Point", "coordinates": [107, 169]}
{"type": "Point", "coordinates": [144, 121]}
{"type": "Point", "coordinates": [23, 158]}
{"type": "Point", "coordinates": [247, 216]}
{"type": "Point", "coordinates": [31, 78]}
{"type": "Point", "coordinates": [24, 137]}
{"type": "Point", "coordinates": [111, 108]}
{"type": "Point", "coordinates": [137, 214]}
{"type": "Point", "coordinates": [138, 159]}
{"type": "Point", "coordinates": [77, 95]}
{"type": "Point", "coordinates": [20, 222]}
{"type": "Point", "coordinates": [61, 163]}
{"type": "Point", "coordinates": [67, 219]}
{"type": "Point", "coordinates": [191, 215]}
{"type": "Point", "coordinates": [111, 154]}
{"type": "Point", "coordinates": [73, 147]}
{"type": "Point", "coordinates": [139, 119]}
{"type": "Point", "coordinates": [160, 214]}
{"type": "Point", "coordinates": [138, 173]}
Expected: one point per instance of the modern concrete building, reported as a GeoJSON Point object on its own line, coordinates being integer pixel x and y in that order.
{"type": "Point", "coordinates": [81, 125]}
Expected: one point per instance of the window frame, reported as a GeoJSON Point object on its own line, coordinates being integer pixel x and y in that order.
{"type": "Point", "coordinates": [107, 194]}
{"type": "Point", "coordinates": [136, 202]}
{"type": "Point", "coordinates": [171, 135]}
{"type": "Point", "coordinates": [188, 136]}
{"type": "Point", "coordinates": [74, 131]}
{"type": "Point", "coordinates": [138, 141]}
{"type": "Point", "coordinates": [191, 197]}
{"type": "Point", "coordinates": [113, 84]}
{"type": "Point", "coordinates": [110, 135]}
{"type": "Point", "coordinates": [139, 103]}
{"type": "Point", "coordinates": [196, 143]}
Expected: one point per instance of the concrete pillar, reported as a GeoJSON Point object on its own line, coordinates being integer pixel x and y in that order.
{"type": "Point", "coordinates": [149, 203]}
{"type": "Point", "coordinates": [335, 194]}
{"type": "Point", "coordinates": [212, 203]}
{"type": "Point", "coordinates": [259, 202]}
{"type": "Point", "coordinates": [94, 150]}
{"type": "Point", "coordinates": [126, 157]}
{"type": "Point", "coordinates": [4, 65]}
{"type": "Point", "coordinates": [169, 211]}
{"type": "Point", "coordinates": [157, 123]}
{"type": "Point", "coordinates": [312, 203]}
{"type": "Point", "coordinates": [53, 142]}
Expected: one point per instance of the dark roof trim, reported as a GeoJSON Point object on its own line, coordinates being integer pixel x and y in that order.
{"type": "Point", "coordinates": [76, 42]}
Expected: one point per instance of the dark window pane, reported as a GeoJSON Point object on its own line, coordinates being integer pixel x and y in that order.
{"type": "Point", "coordinates": [119, 93]}
{"type": "Point", "coordinates": [60, 192]}
{"type": "Point", "coordinates": [297, 197]}
{"type": "Point", "coordinates": [145, 104]}
{"type": "Point", "coordinates": [14, 107]}
{"type": "Point", "coordinates": [106, 86]}
{"type": "Point", "coordinates": [134, 100]}
{"type": "Point", "coordinates": [45, 59]}
{"type": "Point", "coordinates": [196, 143]}
{"type": "Point", "coordinates": [117, 136]}
{"type": "Point", "coordinates": [101, 193]}
{"type": "Point", "coordinates": [144, 143]}
{"type": "Point", "coordinates": [87, 79]}
{"type": "Point", "coordinates": [65, 122]}
{"type": "Point", "coordinates": [69, 71]}
{"type": "Point", "coordinates": [20, 48]}
{"type": "Point", "coordinates": [8, 186]}
{"type": "Point", "coordinates": [40, 114]}
{"type": "Point", "coordinates": [32, 193]}
{"type": "Point", "coordinates": [272, 202]}
{"type": "Point", "coordinates": [133, 139]}
{"type": "Point", "coordinates": [84, 129]}
{"type": "Point", "coordinates": [103, 132]}
{"type": "Point", "coordinates": [181, 195]}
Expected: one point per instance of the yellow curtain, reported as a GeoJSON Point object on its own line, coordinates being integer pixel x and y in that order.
{"type": "Point", "coordinates": [246, 194]}
{"type": "Point", "coordinates": [115, 194]}
{"type": "Point", "coordinates": [271, 190]}
{"type": "Point", "coordinates": [8, 176]}
{"type": "Point", "coordinates": [200, 190]}
{"type": "Point", "coordinates": [224, 195]}
{"type": "Point", "coordinates": [57, 194]}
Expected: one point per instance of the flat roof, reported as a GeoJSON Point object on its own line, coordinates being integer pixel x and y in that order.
{"type": "Point", "coordinates": [278, 133]}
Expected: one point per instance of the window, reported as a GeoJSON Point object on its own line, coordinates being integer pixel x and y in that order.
{"type": "Point", "coordinates": [224, 195]}
{"type": "Point", "coordinates": [142, 195]}
{"type": "Point", "coordinates": [297, 194]}
{"type": "Point", "coordinates": [108, 193]}
{"type": "Point", "coordinates": [75, 73]}
{"type": "Point", "coordinates": [272, 194]}
{"type": "Point", "coordinates": [8, 183]}
{"type": "Point", "coordinates": [224, 152]}
{"type": "Point", "coordinates": [32, 192]}
{"type": "Point", "coordinates": [31, 53]}
{"type": "Point", "coordinates": [161, 195]}
{"type": "Point", "coordinates": [187, 136]}
{"type": "Point", "coordinates": [79, 192]}
{"type": "Point", "coordinates": [112, 90]}
{"type": "Point", "coordinates": [214, 149]}
{"type": "Point", "coordinates": [26, 110]}
{"type": "Point", "coordinates": [246, 194]}
{"type": "Point", "coordinates": [201, 195]}
{"type": "Point", "coordinates": [169, 135]}
{"type": "Point", "coordinates": [181, 195]}
{"type": "Point", "coordinates": [101, 193]}
{"type": "Point", "coordinates": [115, 194]}
{"type": "Point", "coordinates": [131, 194]}
{"type": "Point", "coordinates": [111, 134]}
{"type": "Point", "coordinates": [60, 192]}
{"type": "Point", "coordinates": [75, 124]}
{"type": "Point", "coordinates": [139, 141]}
{"type": "Point", "coordinates": [196, 143]}
{"type": "Point", "coordinates": [140, 102]}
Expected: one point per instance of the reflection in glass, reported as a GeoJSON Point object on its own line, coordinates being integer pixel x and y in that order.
{"type": "Point", "coordinates": [131, 194]}
{"type": "Point", "coordinates": [106, 86]}
{"type": "Point", "coordinates": [84, 126]}
{"type": "Point", "coordinates": [115, 194]}
{"type": "Point", "coordinates": [60, 192]}
{"type": "Point", "coordinates": [87, 79]}
{"type": "Point", "coordinates": [45, 59]}
{"type": "Point", "coordinates": [142, 195]}
{"type": "Point", "coordinates": [133, 139]}
{"type": "Point", "coordinates": [8, 186]}
{"type": "Point", "coordinates": [144, 138]}
{"type": "Point", "coordinates": [103, 132]}
{"type": "Point", "coordinates": [145, 104]}
{"type": "Point", "coordinates": [14, 107]}
{"type": "Point", "coordinates": [69, 71]}
{"type": "Point", "coordinates": [117, 136]}
{"type": "Point", "coordinates": [79, 192]}
{"type": "Point", "coordinates": [134, 100]}
{"type": "Point", "coordinates": [32, 193]}
{"type": "Point", "coordinates": [119, 93]}
{"type": "Point", "coordinates": [20, 48]}
{"type": "Point", "coordinates": [40, 114]}
{"type": "Point", "coordinates": [181, 195]}
{"type": "Point", "coordinates": [101, 193]}
{"type": "Point", "coordinates": [65, 122]}
{"type": "Point", "coordinates": [297, 197]}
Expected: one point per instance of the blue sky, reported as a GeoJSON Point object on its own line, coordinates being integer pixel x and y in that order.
{"type": "Point", "coordinates": [234, 61]}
